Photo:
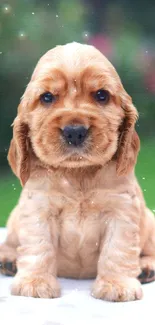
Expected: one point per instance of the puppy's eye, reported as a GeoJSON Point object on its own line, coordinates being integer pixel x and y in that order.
{"type": "Point", "coordinates": [47, 98]}
{"type": "Point", "coordinates": [101, 96]}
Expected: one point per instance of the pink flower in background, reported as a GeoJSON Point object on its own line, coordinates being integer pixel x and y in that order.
{"type": "Point", "coordinates": [102, 43]}
{"type": "Point", "coordinates": [142, 61]}
{"type": "Point", "coordinates": [150, 80]}
{"type": "Point", "coordinates": [145, 62]}
{"type": "Point", "coordinates": [149, 72]}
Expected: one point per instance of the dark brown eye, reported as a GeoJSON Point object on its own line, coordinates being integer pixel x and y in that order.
{"type": "Point", "coordinates": [47, 98]}
{"type": "Point", "coordinates": [101, 96]}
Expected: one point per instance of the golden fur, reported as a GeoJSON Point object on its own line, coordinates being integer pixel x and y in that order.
{"type": "Point", "coordinates": [81, 212]}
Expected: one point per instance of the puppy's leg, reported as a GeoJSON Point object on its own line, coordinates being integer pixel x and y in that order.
{"type": "Point", "coordinates": [36, 264]}
{"type": "Point", "coordinates": [118, 264]}
{"type": "Point", "coordinates": [8, 250]}
{"type": "Point", "coordinates": [147, 260]}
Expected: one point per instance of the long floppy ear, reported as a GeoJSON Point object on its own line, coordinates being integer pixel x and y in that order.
{"type": "Point", "coordinates": [18, 155]}
{"type": "Point", "coordinates": [129, 143]}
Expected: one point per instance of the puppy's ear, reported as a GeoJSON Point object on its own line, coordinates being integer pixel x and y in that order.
{"type": "Point", "coordinates": [19, 155]}
{"type": "Point", "coordinates": [129, 143]}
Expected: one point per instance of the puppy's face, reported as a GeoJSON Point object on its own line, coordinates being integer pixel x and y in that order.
{"type": "Point", "coordinates": [74, 108]}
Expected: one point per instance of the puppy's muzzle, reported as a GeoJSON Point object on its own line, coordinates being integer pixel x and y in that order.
{"type": "Point", "coordinates": [75, 134]}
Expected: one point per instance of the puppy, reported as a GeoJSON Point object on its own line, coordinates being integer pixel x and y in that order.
{"type": "Point", "coordinates": [81, 213]}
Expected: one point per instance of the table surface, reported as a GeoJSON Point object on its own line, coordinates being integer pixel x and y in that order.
{"type": "Point", "coordinates": [74, 307]}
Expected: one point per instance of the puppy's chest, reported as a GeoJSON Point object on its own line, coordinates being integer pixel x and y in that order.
{"type": "Point", "coordinates": [79, 223]}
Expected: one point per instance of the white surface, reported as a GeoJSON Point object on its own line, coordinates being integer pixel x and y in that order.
{"type": "Point", "coordinates": [75, 307]}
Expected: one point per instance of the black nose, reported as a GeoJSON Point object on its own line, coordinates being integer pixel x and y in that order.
{"type": "Point", "coordinates": [74, 134]}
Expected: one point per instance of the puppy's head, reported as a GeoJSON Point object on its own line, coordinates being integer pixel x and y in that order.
{"type": "Point", "coordinates": [74, 113]}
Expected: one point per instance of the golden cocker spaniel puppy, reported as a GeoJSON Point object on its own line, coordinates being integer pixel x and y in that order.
{"type": "Point", "coordinates": [81, 213]}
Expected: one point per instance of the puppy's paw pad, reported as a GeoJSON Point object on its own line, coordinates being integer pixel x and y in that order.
{"type": "Point", "coordinates": [38, 287]}
{"type": "Point", "coordinates": [8, 257]}
{"type": "Point", "coordinates": [127, 289]}
{"type": "Point", "coordinates": [147, 264]}
{"type": "Point", "coordinates": [8, 268]}
{"type": "Point", "coordinates": [147, 275]}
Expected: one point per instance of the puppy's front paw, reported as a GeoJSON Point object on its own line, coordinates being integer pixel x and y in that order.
{"type": "Point", "coordinates": [36, 286]}
{"type": "Point", "coordinates": [120, 289]}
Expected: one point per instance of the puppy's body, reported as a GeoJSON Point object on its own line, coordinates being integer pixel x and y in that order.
{"type": "Point", "coordinates": [81, 213]}
{"type": "Point", "coordinates": [80, 205]}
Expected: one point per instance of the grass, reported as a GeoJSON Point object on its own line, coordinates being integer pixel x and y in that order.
{"type": "Point", "coordinates": [9, 193]}
{"type": "Point", "coordinates": [145, 170]}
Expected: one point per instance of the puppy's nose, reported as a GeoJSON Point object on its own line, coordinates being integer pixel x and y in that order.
{"type": "Point", "coordinates": [74, 134]}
